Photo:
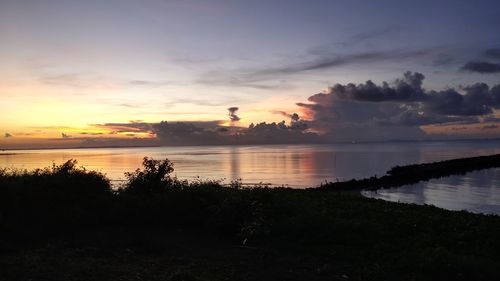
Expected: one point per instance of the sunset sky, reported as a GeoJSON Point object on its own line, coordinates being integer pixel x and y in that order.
{"type": "Point", "coordinates": [92, 73]}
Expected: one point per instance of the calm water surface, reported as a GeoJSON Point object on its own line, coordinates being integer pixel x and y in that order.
{"type": "Point", "coordinates": [290, 165]}
{"type": "Point", "coordinates": [477, 192]}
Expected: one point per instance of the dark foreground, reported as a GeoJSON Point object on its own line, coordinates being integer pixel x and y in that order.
{"type": "Point", "coordinates": [65, 223]}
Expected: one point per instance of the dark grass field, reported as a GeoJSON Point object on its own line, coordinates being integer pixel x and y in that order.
{"type": "Point", "coordinates": [65, 223]}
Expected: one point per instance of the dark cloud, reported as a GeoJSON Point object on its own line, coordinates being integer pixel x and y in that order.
{"type": "Point", "coordinates": [293, 116]}
{"type": "Point", "coordinates": [478, 99]}
{"type": "Point", "coordinates": [187, 133]}
{"type": "Point", "coordinates": [91, 134]}
{"type": "Point", "coordinates": [409, 88]}
{"type": "Point", "coordinates": [7, 135]}
{"type": "Point", "coordinates": [493, 53]}
{"type": "Point", "coordinates": [482, 67]}
{"type": "Point", "coordinates": [495, 96]}
{"type": "Point", "coordinates": [278, 132]}
{"type": "Point", "coordinates": [232, 114]}
{"type": "Point", "coordinates": [396, 109]}
{"type": "Point", "coordinates": [328, 60]}
{"type": "Point", "coordinates": [450, 102]}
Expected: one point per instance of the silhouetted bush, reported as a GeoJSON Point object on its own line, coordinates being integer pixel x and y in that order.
{"type": "Point", "coordinates": [151, 196]}
{"type": "Point", "coordinates": [153, 178]}
{"type": "Point", "coordinates": [53, 199]}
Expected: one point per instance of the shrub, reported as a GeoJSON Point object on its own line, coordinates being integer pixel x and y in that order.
{"type": "Point", "coordinates": [155, 177]}
{"type": "Point", "coordinates": [53, 199]}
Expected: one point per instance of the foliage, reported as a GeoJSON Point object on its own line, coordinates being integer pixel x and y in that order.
{"type": "Point", "coordinates": [155, 177]}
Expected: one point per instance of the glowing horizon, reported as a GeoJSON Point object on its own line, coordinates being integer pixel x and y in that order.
{"type": "Point", "coordinates": [70, 67]}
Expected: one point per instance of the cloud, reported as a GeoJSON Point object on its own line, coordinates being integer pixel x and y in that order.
{"type": "Point", "coordinates": [493, 53]}
{"type": "Point", "coordinates": [197, 101]}
{"type": "Point", "coordinates": [328, 60]}
{"type": "Point", "coordinates": [232, 114]}
{"type": "Point", "coordinates": [482, 67]}
{"type": "Point", "coordinates": [185, 133]}
{"type": "Point", "coordinates": [191, 133]}
{"type": "Point", "coordinates": [396, 110]}
{"type": "Point", "coordinates": [407, 89]}
{"type": "Point", "coordinates": [443, 60]}
{"type": "Point", "coordinates": [278, 132]}
{"type": "Point", "coordinates": [91, 133]}
{"type": "Point", "coordinates": [7, 135]}
{"type": "Point", "coordinates": [245, 79]}
{"type": "Point", "coordinates": [294, 117]}
{"type": "Point", "coordinates": [319, 59]}
{"type": "Point", "coordinates": [78, 80]}
{"type": "Point", "coordinates": [479, 99]}
{"type": "Point", "coordinates": [151, 83]}
{"type": "Point", "coordinates": [131, 127]}
{"type": "Point", "coordinates": [128, 105]}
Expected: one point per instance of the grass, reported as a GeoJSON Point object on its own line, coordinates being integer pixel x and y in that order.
{"type": "Point", "coordinates": [66, 223]}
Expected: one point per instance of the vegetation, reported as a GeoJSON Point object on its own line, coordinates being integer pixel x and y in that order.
{"type": "Point", "coordinates": [410, 174]}
{"type": "Point", "coordinates": [67, 223]}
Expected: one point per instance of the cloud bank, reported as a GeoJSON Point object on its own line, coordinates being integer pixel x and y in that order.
{"type": "Point", "coordinates": [482, 67]}
{"type": "Point", "coordinates": [396, 110]}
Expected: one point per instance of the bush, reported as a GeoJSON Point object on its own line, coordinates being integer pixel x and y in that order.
{"type": "Point", "coordinates": [53, 199]}
{"type": "Point", "coordinates": [154, 178]}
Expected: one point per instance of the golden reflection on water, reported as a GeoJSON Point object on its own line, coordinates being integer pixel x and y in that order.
{"type": "Point", "coordinates": [291, 165]}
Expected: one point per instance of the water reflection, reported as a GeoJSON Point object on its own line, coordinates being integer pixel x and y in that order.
{"type": "Point", "coordinates": [291, 165]}
{"type": "Point", "coordinates": [477, 192]}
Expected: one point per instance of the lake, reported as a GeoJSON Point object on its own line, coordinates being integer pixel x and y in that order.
{"type": "Point", "coordinates": [290, 165]}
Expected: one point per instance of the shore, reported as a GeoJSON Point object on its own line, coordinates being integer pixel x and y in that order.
{"type": "Point", "coordinates": [410, 174]}
{"type": "Point", "coordinates": [65, 223]}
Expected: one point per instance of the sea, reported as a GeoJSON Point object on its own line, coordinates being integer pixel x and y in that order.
{"type": "Point", "coordinates": [298, 166]}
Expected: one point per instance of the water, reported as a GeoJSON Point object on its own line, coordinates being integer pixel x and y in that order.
{"type": "Point", "coordinates": [477, 192]}
{"type": "Point", "coordinates": [290, 165]}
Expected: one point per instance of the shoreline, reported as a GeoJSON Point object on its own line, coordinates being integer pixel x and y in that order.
{"type": "Point", "coordinates": [414, 173]}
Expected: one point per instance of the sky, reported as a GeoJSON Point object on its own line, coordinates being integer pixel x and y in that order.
{"type": "Point", "coordinates": [106, 73]}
